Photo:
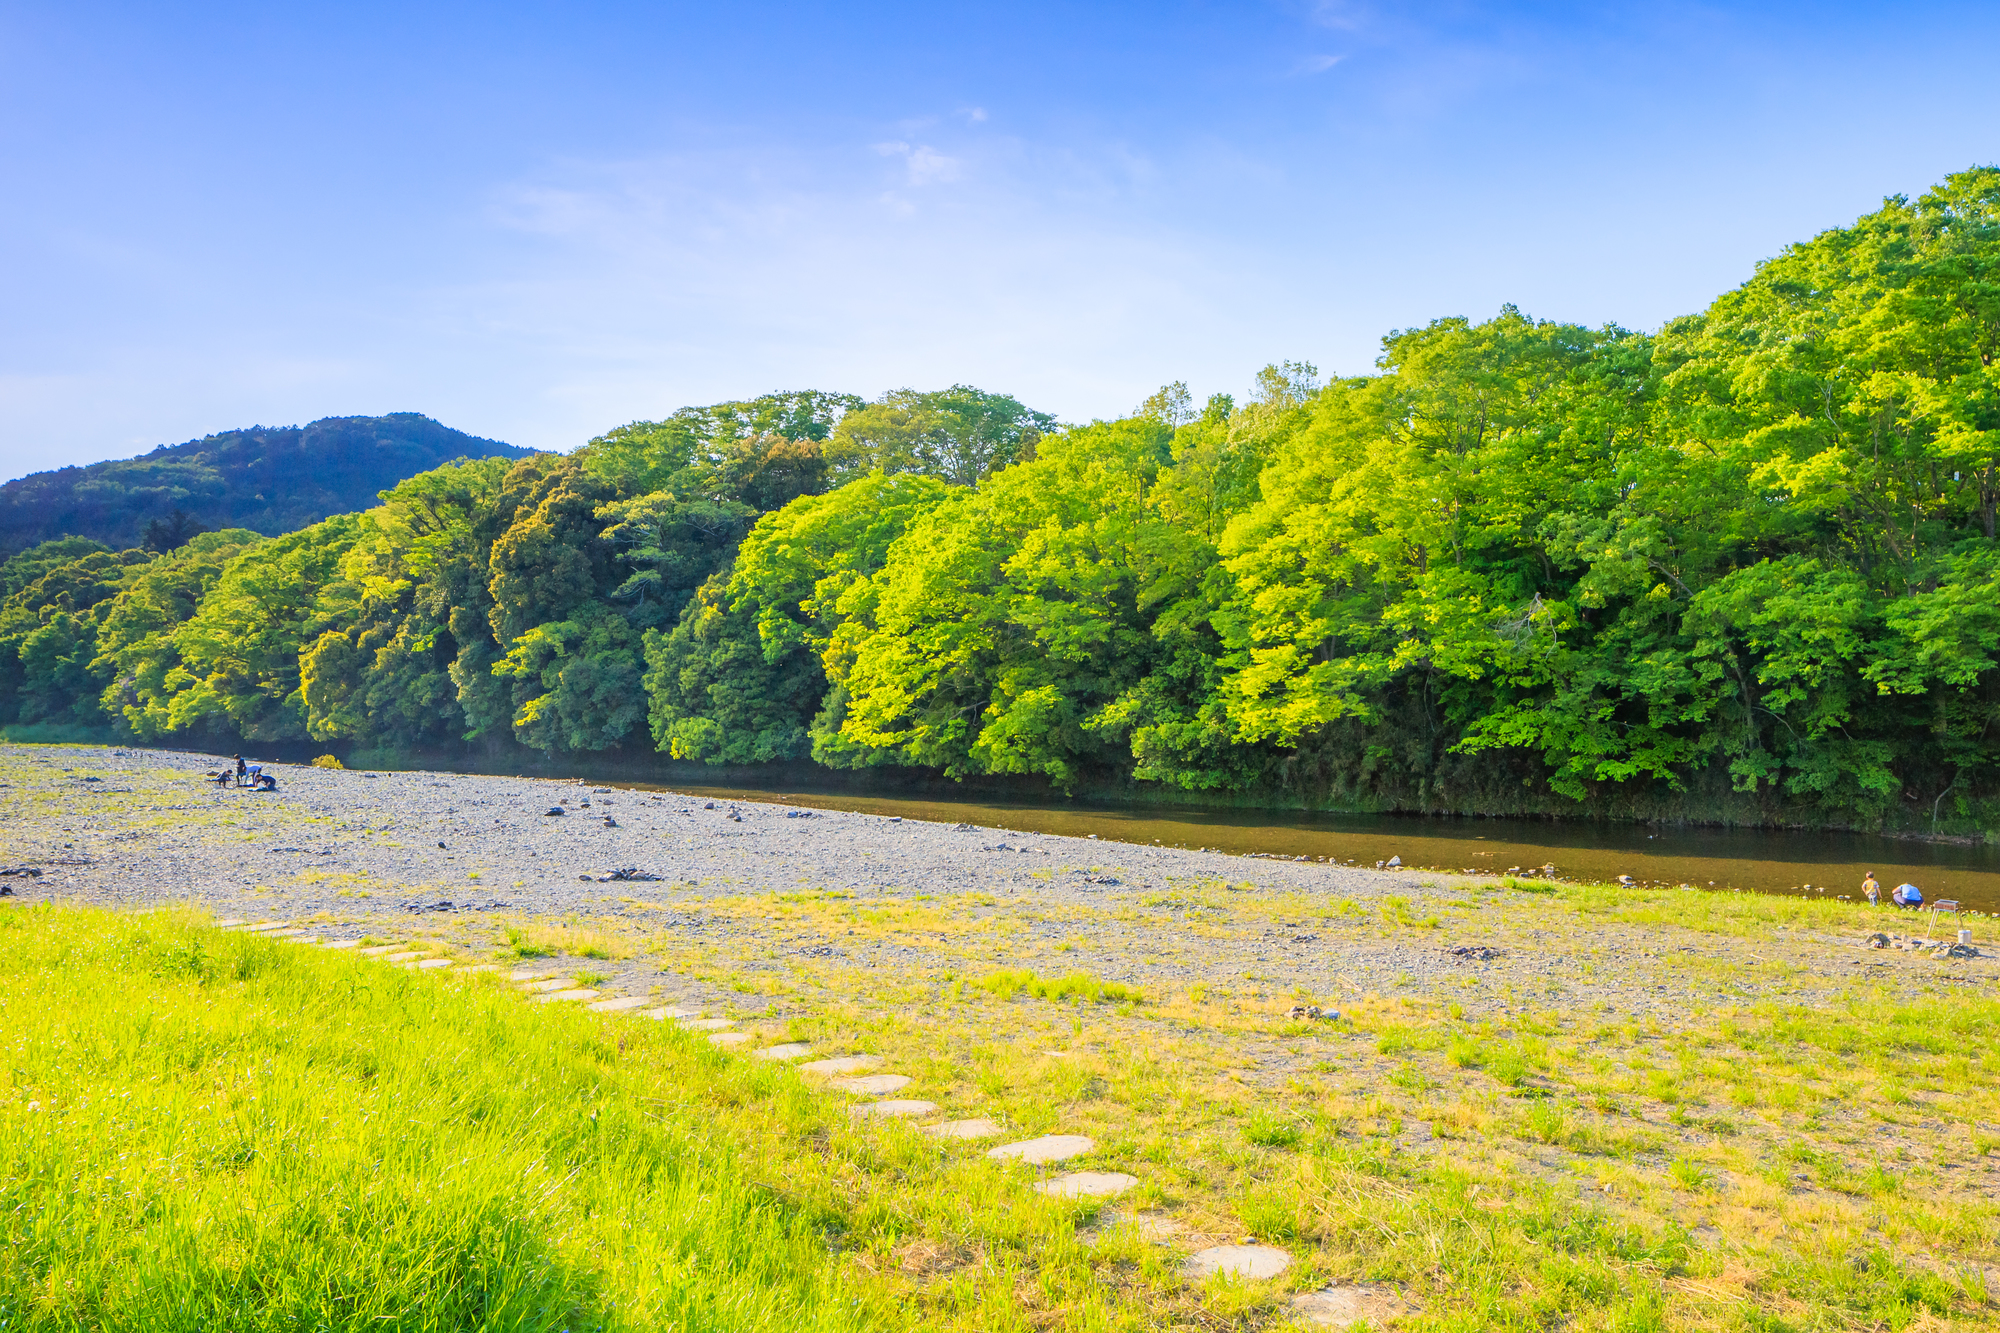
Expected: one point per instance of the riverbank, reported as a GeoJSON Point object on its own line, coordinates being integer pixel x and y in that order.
{"type": "Point", "coordinates": [1538, 1102]}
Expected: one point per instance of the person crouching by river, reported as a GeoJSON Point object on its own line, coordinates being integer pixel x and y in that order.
{"type": "Point", "coordinates": [1871, 890]}
{"type": "Point", "coordinates": [1907, 895]}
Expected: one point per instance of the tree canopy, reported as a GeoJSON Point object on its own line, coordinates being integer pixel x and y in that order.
{"type": "Point", "coordinates": [1743, 566]}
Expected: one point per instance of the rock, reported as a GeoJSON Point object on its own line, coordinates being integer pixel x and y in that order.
{"type": "Point", "coordinates": [1394, 862]}
{"type": "Point", "coordinates": [430, 964]}
{"type": "Point", "coordinates": [872, 1085]}
{"type": "Point", "coordinates": [609, 822]}
{"type": "Point", "coordinates": [548, 984]}
{"type": "Point", "coordinates": [620, 1004]}
{"type": "Point", "coordinates": [1340, 1306]}
{"type": "Point", "coordinates": [705, 1024]}
{"type": "Point", "coordinates": [669, 1012]}
{"type": "Point", "coordinates": [1048, 1148]}
{"type": "Point", "coordinates": [1478, 952]}
{"type": "Point", "coordinates": [402, 957]}
{"type": "Point", "coordinates": [632, 873]}
{"type": "Point", "coordinates": [892, 1110]}
{"type": "Point", "coordinates": [977, 1128]}
{"type": "Point", "coordinates": [841, 1064]}
{"type": "Point", "coordinates": [790, 1050]}
{"type": "Point", "coordinates": [575, 993]}
{"type": "Point", "coordinates": [555, 810]}
{"type": "Point", "coordinates": [21, 872]}
{"type": "Point", "coordinates": [1302, 1012]}
{"type": "Point", "coordinates": [1087, 1185]}
{"type": "Point", "coordinates": [729, 1038]}
{"type": "Point", "coordinates": [1251, 1261]}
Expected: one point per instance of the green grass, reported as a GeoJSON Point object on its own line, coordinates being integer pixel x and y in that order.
{"type": "Point", "coordinates": [207, 1130]}
{"type": "Point", "coordinates": [1010, 982]}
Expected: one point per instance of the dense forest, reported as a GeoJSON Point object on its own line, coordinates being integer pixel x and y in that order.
{"type": "Point", "coordinates": [1744, 567]}
{"type": "Point", "coordinates": [270, 479]}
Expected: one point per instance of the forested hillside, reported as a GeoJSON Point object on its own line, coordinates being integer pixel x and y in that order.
{"type": "Point", "coordinates": [268, 479]}
{"type": "Point", "coordinates": [1742, 567]}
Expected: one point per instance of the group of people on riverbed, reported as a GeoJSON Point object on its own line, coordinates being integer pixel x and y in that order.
{"type": "Point", "coordinates": [250, 775]}
{"type": "Point", "coordinates": [1903, 895]}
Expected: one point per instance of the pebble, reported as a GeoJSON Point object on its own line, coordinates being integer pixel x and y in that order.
{"type": "Point", "coordinates": [1048, 1148]}
{"type": "Point", "coordinates": [790, 1050]}
{"type": "Point", "coordinates": [893, 1110]}
{"type": "Point", "coordinates": [1252, 1261]}
{"type": "Point", "coordinates": [1087, 1185]}
{"type": "Point", "coordinates": [871, 1085]}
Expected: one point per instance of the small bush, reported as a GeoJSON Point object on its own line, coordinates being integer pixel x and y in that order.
{"type": "Point", "coordinates": [328, 761]}
{"type": "Point", "coordinates": [594, 951]}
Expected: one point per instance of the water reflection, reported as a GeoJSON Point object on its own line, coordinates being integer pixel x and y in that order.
{"type": "Point", "coordinates": [1832, 864]}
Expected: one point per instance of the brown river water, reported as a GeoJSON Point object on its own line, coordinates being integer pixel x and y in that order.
{"type": "Point", "coordinates": [1832, 864]}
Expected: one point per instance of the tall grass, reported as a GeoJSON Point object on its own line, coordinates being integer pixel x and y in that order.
{"type": "Point", "coordinates": [214, 1131]}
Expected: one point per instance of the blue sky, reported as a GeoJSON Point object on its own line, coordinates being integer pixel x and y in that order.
{"type": "Point", "coordinates": [534, 222]}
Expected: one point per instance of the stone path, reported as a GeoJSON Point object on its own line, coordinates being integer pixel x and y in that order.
{"type": "Point", "coordinates": [1333, 1307]}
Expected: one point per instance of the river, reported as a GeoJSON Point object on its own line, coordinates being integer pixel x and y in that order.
{"type": "Point", "coordinates": [1758, 861]}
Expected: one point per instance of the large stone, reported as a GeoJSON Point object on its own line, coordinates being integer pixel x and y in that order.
{"type": "Point", "coordinates": [263, 926]}
{"type": "Point", "coordinates": [429, 963]}
{"type": "Point", "coordinates": [729, 1038]}
{"type": "Point", "coordinates": [977, 1128]}
{"type": "Point", "coordinates": [841, 1064]}
{"type": "Point", "coordinates": [1087, 1185]}
{"type": "Point", "coordinates": [871, 1085]}
{"type": "Point", "coordinates": [621, 1004]}
{"type": "Point", "coordinates": [376, 951]}
{"type": "Point", "coordinates": [790, 1050]}
{"type": "Point", "coordinates": [231, 923]}
{"type": "Point", "coordinates": [548, 983]}
{"type": "Point", "coordinates": [893, 1110]}
{"type": "Point", "coordinates": [579, 993]}
{"type": "Point", "coordinates": [669, 1012]}
{"type": "Point", "coordinates": [338, 944]}
{"type": "Point", "coordinates": [526, 974]}
{"type": "Point", "coordinates": [406, 956]}
{"type": "Point", "coordinates": [289, 934]}
{"type": "Point", "coordinates": [1048, 1148]}
{"type": "Point", "coordinates": [1251, 1261]}
{"type": "Point", "coordinates": [705, 1024]}
{"type": "Point", "coordinates": [1340, 1306]}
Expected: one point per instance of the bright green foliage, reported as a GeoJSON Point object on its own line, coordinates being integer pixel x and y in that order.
{"type": "Point", "coordinates": [135, 640]}
{"type": "Point", "coordinates": [741, 676]}
{"type": "Point", "coordinates": [958, 434]}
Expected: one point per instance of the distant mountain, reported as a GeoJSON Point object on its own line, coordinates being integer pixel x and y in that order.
{"type": "Point", "coordinates": [272, 479]}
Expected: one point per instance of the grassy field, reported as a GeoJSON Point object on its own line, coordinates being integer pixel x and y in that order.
{"type": "Point", "coordinates": [211, 1130]}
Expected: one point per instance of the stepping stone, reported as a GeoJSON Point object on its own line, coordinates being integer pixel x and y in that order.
{"type": "Point", "coordinates": [551, 983]}
{"type": "Point", "coordinates": [1338, 1307]}
{"type": "Point", "coordinates": [378, 950]}
{"type": "Point", "coordinates": [429, 963]}
{"type": "Point", "coordinates": [580, 993]}
{"type": "Point", "coordinates": [621, 1004]}
{"type": "Point", "coordinates": [1087, 1185]}
{"type": "Point", "coordinates": [292, 933]}
{"type": "Point", "coordinates": [977, 1128]}
{"type": "Point", "coordinates": [871, 1085]}
{"type": "Point", "coordinates": [669, 1012]}
{"type": "Point", "coordinates": [841, 1064]}
{"type": "Point", "coordinates": [526, 974]}
{"type": "Point", "coordinates": [790, 1050]}
{"type": "Point", "coordinates": [892, 1110]}
{"type": "Point", "coordinates": [1251, 1261]}
{"type": "Point", "coordinates": [230, 924]}
{"type": "Point", "coordinates": [1048, 1148]}
{"type": "Point", "coordinates": [262, 926]}
{"type": "Point", "coordinates": [705, 1024]}
{"type": "Point", "coordinates": [481, 967]}
{"type": "Point", "coordinates": [338, 944]}
{"type": "Point", "coordinates": [729, 1038]}
{"type": "Point", "coordinates": [402, 957]}
{"type": "Point", "coordinates": [305, 939]}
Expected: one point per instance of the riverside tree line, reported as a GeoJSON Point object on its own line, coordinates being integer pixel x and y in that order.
{"type": "Point", "coordinates": [1742, 567]}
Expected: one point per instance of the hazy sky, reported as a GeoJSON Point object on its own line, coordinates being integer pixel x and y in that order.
{"type": "Point", "coordinates": [534, 222]}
